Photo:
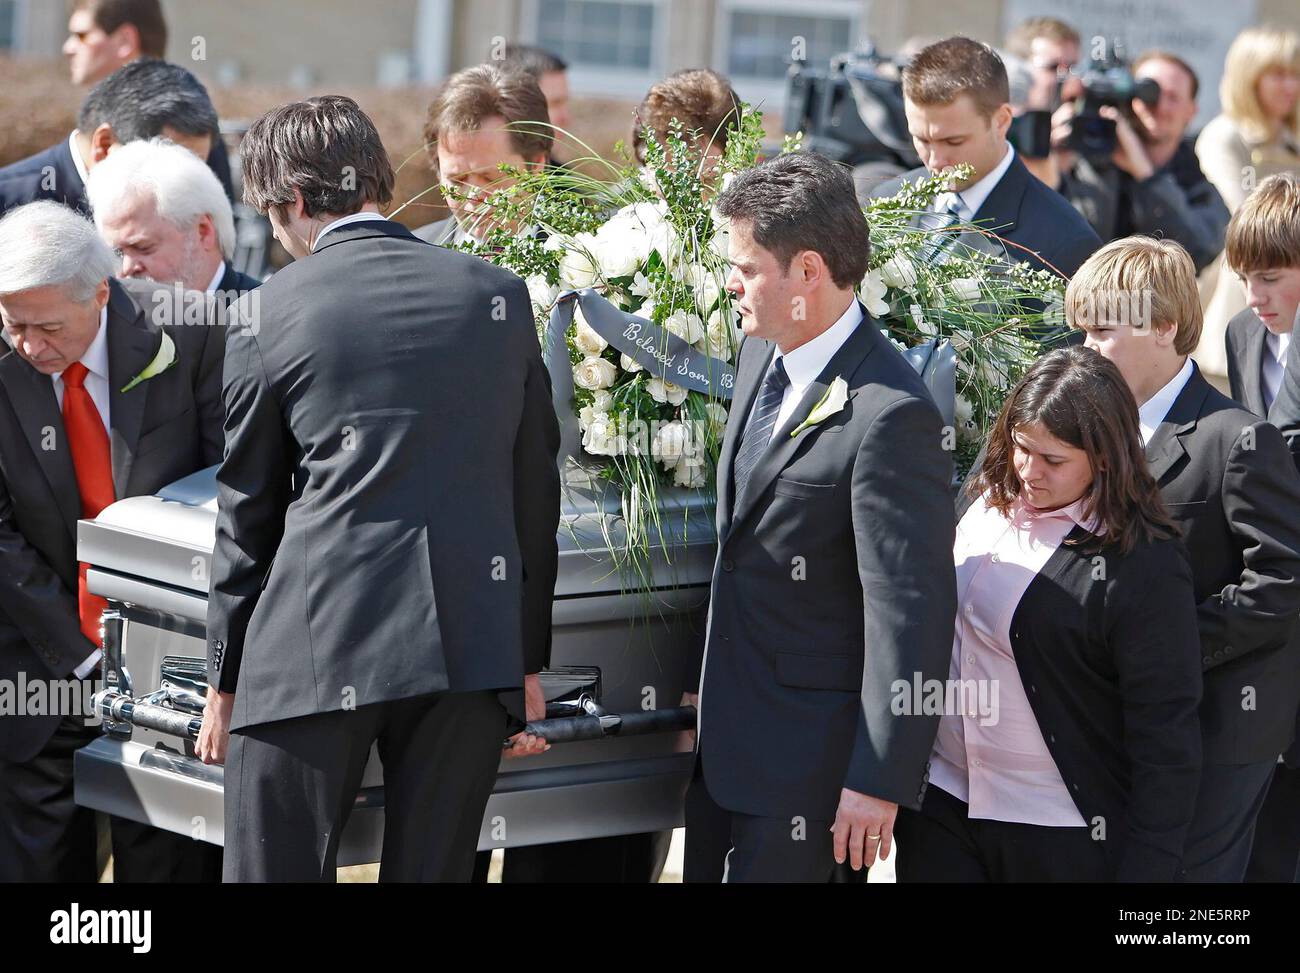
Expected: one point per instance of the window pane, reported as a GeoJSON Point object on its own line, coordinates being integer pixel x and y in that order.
{"type": "Point", "coordinates": [762, 42]}
{"type": "Point", "coordinates": [598, 33]}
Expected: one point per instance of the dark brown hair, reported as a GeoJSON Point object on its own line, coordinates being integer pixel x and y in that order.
{"type": "Point", "coordinates": [1155, 54]}
{"type": "Point", "coordinates": [490, 91]}
{"type": "Point", "coordinates": [327, 148]}
{"type": "Point", "coordinates": [1081, 398]}
{"type": "Point", "coordinates": [956, 66]}
{"type": "Point", "coordinates": [145, 16]}
{"type": "Point", "coordinates": [703, 101]}
{"type": "Point", "coordinates": [803, 201]}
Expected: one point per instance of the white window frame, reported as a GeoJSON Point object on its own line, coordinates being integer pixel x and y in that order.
{"type": "Point", "coordinates": [629, 83]}
{"type": "Point", "coordinates": [769, 92]}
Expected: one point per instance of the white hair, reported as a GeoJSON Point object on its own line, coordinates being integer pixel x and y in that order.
{"type": "Point", "coordinates": [46, 244]}
{"type": "Point", "coordinates": [181, 185]}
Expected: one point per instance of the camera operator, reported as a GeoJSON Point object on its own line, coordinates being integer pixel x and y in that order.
{"type": "Point", "coordinates": [1134, 170]}
{"type": "Point", "coordinates": [1050, 50]}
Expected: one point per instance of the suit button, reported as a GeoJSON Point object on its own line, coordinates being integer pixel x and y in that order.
{"type": "Point", "coordinates": [728, 564]}
{"type": "Point", "coordinates": [1051, 737]}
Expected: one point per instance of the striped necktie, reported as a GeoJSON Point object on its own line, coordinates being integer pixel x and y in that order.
{"type": "Point", "coordinates": [758, 433]}
{"type": "Point", "coordinates": [940, 238]}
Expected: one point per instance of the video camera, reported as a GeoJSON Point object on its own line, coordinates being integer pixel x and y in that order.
{"type": "Point", "coordinates": [851, 111]}
{"type": "Point", "coordinates": [1107, 82]}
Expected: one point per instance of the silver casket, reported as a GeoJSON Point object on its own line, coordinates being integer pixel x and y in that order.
{"type": "Point", "coordinates": [622, 648]}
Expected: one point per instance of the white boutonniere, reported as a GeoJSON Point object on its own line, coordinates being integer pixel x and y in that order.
{"type": "Point", "coordinates": [829, 404]}
{"type": "Point", "coordinates": [162, 361]}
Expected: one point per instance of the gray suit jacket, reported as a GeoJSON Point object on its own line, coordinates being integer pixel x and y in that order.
{"type": "Point", "coordinates": [163, 429]}
{"type": "Point", "coordinates": [834, 578]}
{"type": "Point", "coordinates": [1246, 340]}
{"type": "Point", "coordinates": [444, 232]}
{"type": "Point", "coordinates": [388, 501]}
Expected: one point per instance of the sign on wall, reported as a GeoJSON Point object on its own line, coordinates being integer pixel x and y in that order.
{"type": "Point", "coordinates": [1198, 31]}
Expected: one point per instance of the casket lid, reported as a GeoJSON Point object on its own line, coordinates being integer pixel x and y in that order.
{"type": "Point", "coordinates": [168, 538]}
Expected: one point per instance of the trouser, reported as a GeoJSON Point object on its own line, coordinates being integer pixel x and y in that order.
{"type": "Point", "coordinates": [290, 787]}
{"type": "Point", "coordinates": [1223, 827]}
{"type": "Point", "coordinates": [46, 837]}
{"type": "Point", "coordinates": [942, 843]}
{"type": "Point", "coordinates": [1275, 856]}
{"type": "Point", "coordinates": [726, 846]}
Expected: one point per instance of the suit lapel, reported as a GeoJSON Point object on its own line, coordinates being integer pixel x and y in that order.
{"type": "Point", "coordinates": [752, 368]}
{"type": "Point", "coordinates": [1253, 370]}
{"type": "Point", "coordinates": [783, 446]}
{"type": "Point", "coordinates": [1166, 447]}
{"type": "Point", "coordinates": [37, 407]}
{"type": "Point", "coordinates": [132, 343]}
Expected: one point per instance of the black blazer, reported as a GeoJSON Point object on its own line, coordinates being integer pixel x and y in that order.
{"type": "Point", "coordinates": [1246, 340]}
{"type": "Point", "coordinates": [389, 499]}
{"type": "Point", "coordinates": [833, 579]}
{"type": "Point", "coordinates": [1106, 647]}
{"type": "Point", "coordinates": [49, 174]}
{"type": "Point", "coordinates": [1228, 482]}
{"type": "Point", "coordinates": [163, 429]}
{"type": "Point", "coordinates": [235, 282]}
{"type": "Point", "coordinates": [1047, 231]}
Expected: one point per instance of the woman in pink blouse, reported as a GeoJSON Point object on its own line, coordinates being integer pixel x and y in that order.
{"type": "Point", "coordinates": [1068, 748]}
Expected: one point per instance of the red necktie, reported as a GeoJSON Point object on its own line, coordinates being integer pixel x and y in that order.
{"type": "Point", "coordinates": [93, 462]}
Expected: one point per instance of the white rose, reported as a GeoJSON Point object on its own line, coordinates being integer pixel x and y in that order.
{"type": "Point", "coordinates": [716, 413]}
{"type": "Point", "coordinates": [690, 472]}
{"type": "Point", "coordinates": [585, 416]}
{"type": "Point", "coordinates": [617, 254]}
{"type": "Point", "coordinates": [594, 373]}
{"type": "Point", "coordinates": [923, 327]}
{"type": "Point", "coordinates": [688, 327]}
{"type": "Point", "coordinates": [872, 291]}
{"type": "Point", "coordinates": [585, 337]}
{"type": "Point", "coordinates": [965, 288]}
{"type": "Point", "coordinates": [662, 391]}
{"type": "Point", "coordinates": [669, 443]}
{"type": "Point", "coordinates": [542, 293]}
{"type": "Point", "coordinates": [603, 400]}
{"type": "Point", "coordinates": [641, 285]}
{"type": "Point", "coordinates": [576, 268]}
{"type": "Point", "coordinates": [629, 364]}
{"type": "Point", "coordinates": [602, 438]}
{"type": "Point", "coordinates": [898, 271]}
{"type": "Point", "coordinates": [723, 335]}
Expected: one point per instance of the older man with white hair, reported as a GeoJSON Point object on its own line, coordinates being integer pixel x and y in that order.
{"type": "Point", "coordinates": [98, 401]}
{"type": "Point", "coordinates": [167, 216]}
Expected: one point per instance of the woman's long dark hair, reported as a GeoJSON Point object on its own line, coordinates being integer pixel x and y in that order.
{"type": "Point", "coordinates": [1081, 398]}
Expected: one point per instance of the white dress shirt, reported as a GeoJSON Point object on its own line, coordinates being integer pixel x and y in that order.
{"type": "Point", "coordinates": [77, 160]}
{"type": "Point", "coordinates": [968, 202]}
{"type": "Point", "coordinates": [1152, 412]}
{"type": "Point", "coordinates": [1274, 365]}
{"type": "Point", "coordinates": [344, 221]}
{"type": "Point", "coordinates": [216, 278]}
{"type": "Point", "coordinates": [806, 362]}
{"type": "Point", "coordinates": [96, 361]}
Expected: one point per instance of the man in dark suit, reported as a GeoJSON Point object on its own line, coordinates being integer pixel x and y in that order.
{"type": "Point", "coordinates": [78, 430]}
{"type": "Point", "coordinates": [104, 35]}
{"type": "Point", "coordinates": [834, 574]}
{"type": "Point", "coordinates": [484, 117]}
{"type": "Point", "coordinates": [391, 489]}
{"type": "Point", "coordinates": [1263, 249]}
{"type": "Point", "coordinates": [163, 210]}
{"type": "Point", "coordinates": [146, 99]}
{"type": "Point", "coordinates": [1229, 484]}
{"type": "Point", "coordinates": [957, 100]}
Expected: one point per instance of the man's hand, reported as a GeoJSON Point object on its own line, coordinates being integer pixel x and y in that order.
{"type": "Point", "coordinates": [1130, 154]}
{"type": "Point", "coordinates": [525, 744]}
{"type": "Point", "coordinates": [685, 742]}
{"type": "Point", "coordinates": [864, 829]}
{"type": "Point", "coordinates": [214, 735]}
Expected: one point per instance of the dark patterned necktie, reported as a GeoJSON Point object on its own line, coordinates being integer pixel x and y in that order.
{"type": "Point", "coordinates": [758, 433]}
{"type": "Point", "coordinates": [939, 228]}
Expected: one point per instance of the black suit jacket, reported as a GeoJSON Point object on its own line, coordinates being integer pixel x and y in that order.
{"type": "Point", "coordinates": [833, 579]}
{"type": "Point", "coordinates": [1228, 482]}
{"type": "Point", "coordinates": [1044, 229]}
{"type": "Point", "coordinates": [388, 501]}
{"type": "Point", "coordinates": [163, 429]}
{"type": "Point", "coordinates": [1105, 644]}
{"type": "Point", "coordinates": [235, 282]}
{"type": "Point", "coordinates": [1246, 340]}
{"type": "Point", "coordinates": [49, 174]}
